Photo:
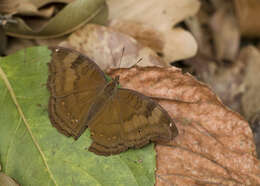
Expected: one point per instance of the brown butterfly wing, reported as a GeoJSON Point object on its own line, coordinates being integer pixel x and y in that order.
{"type": "Point", "coordinates": [129, 120]}
{"type": "Point", "coordinates": [74, 81]}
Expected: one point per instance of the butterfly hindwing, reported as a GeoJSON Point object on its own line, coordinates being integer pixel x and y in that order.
{"type": "Point", "coordinates": [129, 120]}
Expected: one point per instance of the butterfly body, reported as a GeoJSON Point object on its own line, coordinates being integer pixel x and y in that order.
{"type": "Point", "coordinates": [118, 118]}
{"type": "Point", "coordinates": [104, 95]}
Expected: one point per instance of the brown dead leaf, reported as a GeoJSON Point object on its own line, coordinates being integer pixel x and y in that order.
{"type": "Point", "coordinates": [248, 15]}
{"type": "Point", "coordinates": [109, 48]}
{"type": "Point", "coordinates": [226, 81]}
{"type": "Point", "coordinates": [236, 84]}
{"type": "Point", "coordinates": [214, 146]}
{"type": "Point", "coordinates": [175, 44]}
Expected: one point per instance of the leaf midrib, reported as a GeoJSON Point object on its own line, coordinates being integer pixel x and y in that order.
{"type": "Point", "coordinates": [13, 96]}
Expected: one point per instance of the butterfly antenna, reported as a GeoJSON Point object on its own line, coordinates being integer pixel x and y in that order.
{"type": "Point", "coordinates": [123, 51]}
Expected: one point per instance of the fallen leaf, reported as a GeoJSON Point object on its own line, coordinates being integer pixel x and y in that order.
{"type": "Point", "coordinates": [172, 45]}
{"type": "Point", "coordinates": [144, 34]}
{"type": "Point", "coordinates": [109, 48]}
{"type": "Point", "coordinates": [162, 15]}
{"type": "Point", "coordinates": [30, 145]}
{"type": "Point", "coordinates": [176, 44]}
{"type": "Point", "coordinates": [215, 145]}
{"type": "Point", "coordinates": [30, 9]}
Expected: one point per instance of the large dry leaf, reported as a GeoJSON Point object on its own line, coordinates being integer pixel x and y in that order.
{"type": "Point", "coordinates": [214, 146]}
{"type": "Point", "coordinates": [237, 84]}
{"type": "Point", "coordinates": [157, 17]}
{"type": "Point", "coordinates": [109, 48]}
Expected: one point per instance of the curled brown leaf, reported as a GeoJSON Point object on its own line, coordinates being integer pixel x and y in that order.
{"type": "Point", "coordinates": [67, 20]}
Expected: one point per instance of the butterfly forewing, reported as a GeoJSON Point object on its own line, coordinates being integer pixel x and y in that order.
{"type": "Point", "coordinates": [74, 81]}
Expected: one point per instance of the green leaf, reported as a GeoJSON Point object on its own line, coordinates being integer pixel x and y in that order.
{"type": "Point", "coordinates": [70, 18]}
{"type": "Point", "coordinates": [35, 153]}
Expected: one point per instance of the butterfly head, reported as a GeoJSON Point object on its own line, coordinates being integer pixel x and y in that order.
{"type": "Point", "coordinates": [116, 80]}
{"type": "Point", "coordinates": [112, 86]}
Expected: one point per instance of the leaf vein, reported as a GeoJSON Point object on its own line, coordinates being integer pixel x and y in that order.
{"type": "Point", "coordinates": [11, 91]}
{"type": "Point", "coordinates": [11, 142]}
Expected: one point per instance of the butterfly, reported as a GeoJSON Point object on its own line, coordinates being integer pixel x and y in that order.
{"type": "Point", "coordinates": [82, 97]}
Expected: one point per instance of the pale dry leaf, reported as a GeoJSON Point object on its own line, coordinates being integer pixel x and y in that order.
{"type": "Point", "coordinates": [251, 98]}
{"type": "Point", "coordinates": [200, 33]}
{"type": "Point", "coordinates": [109, 48]}
{"type": "Point", "coordinates": [215, 145]}
{"type": "Point", "coordinates": [162, 15]}
{"type": "Point", "coordinates": [226, 34]}
{"type": "Point", "coordinates": [35, 7]}
{"type": "Point", "coordinates": [179, 45]}
{"type": "Point", "coordinates": [41, 3]}
{"type": "Point", "coordinates": [174, 44]}
{"type": "Point", "coordinates": [143, 33]}
{"type": "Point", "coordinates": [30, 9]}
